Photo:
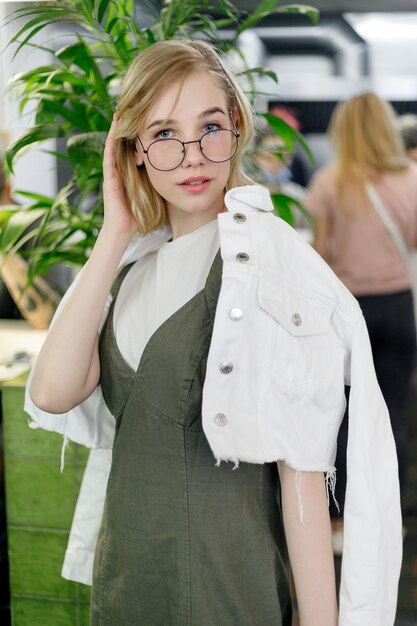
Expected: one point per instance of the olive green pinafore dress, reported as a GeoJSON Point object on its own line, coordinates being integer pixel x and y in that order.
{"type": "Point", "coordinates": [182, 542]}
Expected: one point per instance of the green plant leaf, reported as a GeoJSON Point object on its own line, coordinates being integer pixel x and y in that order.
{"type": "Point", "coordinates": [301, 9]}
{"type": "Point", "coordinates": [16, 225]}
{"type": "Point", "coordinates": [288, 134]}
{"type": "Point", "coordinates": [45, 200]}
{"type": "Point", "coordinates": [41, 263]}
{"type": "Point", "coordinates": [262, 71]}
{"type": "Point", "coordinates": [102, 8]}
{"type": "Point", "coordinates": [284, 206]}
{"type": "Point", "coordinates": [228, 8]}
{"type": "Point", "coordinates": [6, 211]}
{"type": "Point", "coordinates": [30, 137]}
{"type": "Point", "coordinates": [33, 23]}
{"type": "Point", "coordinates": [85, 152]}
{"type": "Point", "coordinates": [35, 31]}
{"type": "Point", "coordinates": [51, 109]}
{"type": "Point", "coordinates": [150, 36]}
{"type": "Point", "coordinates": [75, 54]}
{"type": "Point", "coordinates": [59, 155]}
{"type": "Point", "coordinates": [37, 74]}
{"type": "Point", "coordinates": [264, 9]}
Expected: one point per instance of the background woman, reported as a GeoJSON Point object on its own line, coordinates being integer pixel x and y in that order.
{"type": "Point", "coordinates": [353, 238]}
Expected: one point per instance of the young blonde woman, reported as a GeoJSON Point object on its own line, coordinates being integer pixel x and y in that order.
{"type": "Point", "coordinates": [205, 356]}
{"type": "Point", "coordinates": [354, 238]}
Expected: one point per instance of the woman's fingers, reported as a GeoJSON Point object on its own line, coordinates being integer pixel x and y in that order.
{"type": "Point", "coordinates": [108, 157]}
{"type": "Point", "coordinates": [118, 217]}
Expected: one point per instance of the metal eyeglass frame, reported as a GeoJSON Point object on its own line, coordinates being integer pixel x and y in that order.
{"type": "Point", "coordinates": [186, 143]}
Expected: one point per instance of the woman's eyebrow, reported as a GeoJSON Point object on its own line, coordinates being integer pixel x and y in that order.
{"type": "Point", "coordinates": [203, 114]}
{"type": "Point", "coordinates": [212, 111]}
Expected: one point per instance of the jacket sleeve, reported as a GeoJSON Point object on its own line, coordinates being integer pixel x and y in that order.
{"type": "Point", "coordinates": [79, 556]}
{"type": "Point", "coordinates": [90, 423]}
{"type": "Point", "coordinates": [372, 550]}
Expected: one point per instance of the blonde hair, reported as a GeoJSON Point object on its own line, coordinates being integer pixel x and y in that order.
{"type": "Point", "coordinates": [366, 141]}
{"type": "Point", "coordinates": [153, 70]}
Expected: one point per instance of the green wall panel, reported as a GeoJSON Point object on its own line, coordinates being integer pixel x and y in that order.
{"type": "Point", "coordinates": [39, 495]}
{"type": "Point", "coordinates": [49, 612]}
{"type": "Point", "coordinates": [19, 439]}
{"type": "Point", "coordinates": [35, 563]}
{"type": "Point", "coordinates": [22, 441]}
{"type": "Point", "coordinates": [84, 593]}
{"type": "Point", "coordinates": [40, 504]}
{"type": "Point", "coordinates": [84, 615]}
{"type": "Point", "coordinates": [43, 612]}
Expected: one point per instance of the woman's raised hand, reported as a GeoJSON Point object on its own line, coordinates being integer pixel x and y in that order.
{"type": "Point", "coordinates": [118, 217]}
{"type": "Point", "coordinates": [70, 351]}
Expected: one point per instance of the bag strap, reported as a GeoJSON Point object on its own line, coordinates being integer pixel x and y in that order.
{"type": "Point", "coordinates": [389, 223]}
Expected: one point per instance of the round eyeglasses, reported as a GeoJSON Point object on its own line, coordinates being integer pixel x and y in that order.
{"type": "Point", "coordinates": [217, 146]}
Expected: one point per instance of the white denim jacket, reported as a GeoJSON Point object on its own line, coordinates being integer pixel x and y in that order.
{"type": "Point", "coordinates": [287, 338]}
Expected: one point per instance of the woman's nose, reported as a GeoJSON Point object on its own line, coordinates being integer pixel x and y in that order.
{"type": "Point", "coordinates": [193, 154]}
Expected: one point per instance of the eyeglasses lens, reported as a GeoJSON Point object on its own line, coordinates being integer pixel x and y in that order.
{"type": "Point", "coordinates": [166, 154]}
{"type": "Point", "coordinates": [217, 146]}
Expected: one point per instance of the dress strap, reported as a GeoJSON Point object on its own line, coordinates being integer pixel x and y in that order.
{"type": "Point", "coordinates": [213, 283]}
{"type": "Point", "coordinates": [119, 279]}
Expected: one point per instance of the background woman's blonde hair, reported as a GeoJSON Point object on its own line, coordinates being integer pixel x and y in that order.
{"type": "Point", "coordinates": [153, 70]}
{"type": "Point", "coordinates": [366, 141]}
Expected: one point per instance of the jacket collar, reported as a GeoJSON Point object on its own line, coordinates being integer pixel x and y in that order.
{"type": "Point", "coordinates": [252, 197]}
{"type": "Point", "coordinates": [246, 198]}
{"type": "Point", "coordinates": [141, 246]}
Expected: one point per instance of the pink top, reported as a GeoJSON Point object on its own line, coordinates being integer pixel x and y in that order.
{"type": "Point", "coordinates": [359, 248]}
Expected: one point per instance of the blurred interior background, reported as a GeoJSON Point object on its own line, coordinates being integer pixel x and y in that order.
{"type": "Point", "coordinates": [357, 45]}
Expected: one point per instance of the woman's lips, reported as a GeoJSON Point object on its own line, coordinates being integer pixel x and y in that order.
{"type": "Point", "coordinates": [195, 184]}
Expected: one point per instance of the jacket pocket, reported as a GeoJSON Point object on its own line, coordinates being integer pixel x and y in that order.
{"type": "Point", "coordinates": [298, 313]}
{"type": "Point", "coordinates": [297, 338]}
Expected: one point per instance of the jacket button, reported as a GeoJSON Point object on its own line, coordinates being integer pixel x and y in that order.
{"type": "Point", "coordinates": [235, 314]}
{"type": "Point", "coordinates": [239, 217]}
{"type": "Point", "coordinates": [220, 419]}
{"type": "Point", "coordinates": [242, 257]}
{"type": "Point", "coordinates": [296, 318]}
{"type": "Point", "coordinates": [226, 367]}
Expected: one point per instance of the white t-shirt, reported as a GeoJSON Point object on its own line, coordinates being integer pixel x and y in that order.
{"type": "Point", "coordinates": [159, 285]}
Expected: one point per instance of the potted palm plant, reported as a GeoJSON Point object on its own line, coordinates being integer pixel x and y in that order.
{"type": "Point", "coordinates": [74, 97]}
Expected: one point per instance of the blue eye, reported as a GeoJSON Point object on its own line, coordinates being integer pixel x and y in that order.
{"type": "Point", "coordinates": [164, 134]}
{"type": "Point", "coordinates": [210, 126]}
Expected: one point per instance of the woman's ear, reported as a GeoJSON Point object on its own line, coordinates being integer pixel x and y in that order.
{"type": "Point", "coordinates": [234, 116]}
{"type": "Point", "coordinates": [137, 155]}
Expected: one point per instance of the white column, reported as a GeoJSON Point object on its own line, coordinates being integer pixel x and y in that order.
{"type": "Point", "coordinates": [35, 171]}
